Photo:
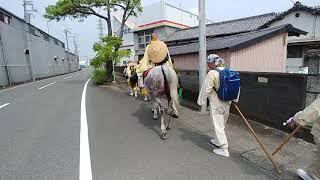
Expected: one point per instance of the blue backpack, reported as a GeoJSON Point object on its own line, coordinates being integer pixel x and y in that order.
{"type": "Point", "coordinates": [229, 84]}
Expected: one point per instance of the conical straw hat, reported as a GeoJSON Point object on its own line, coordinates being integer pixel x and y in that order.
{"type": "Point", "coordinates": [157, 51]}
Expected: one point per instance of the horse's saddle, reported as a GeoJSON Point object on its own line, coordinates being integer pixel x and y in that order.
{"type": "Point", "coordinates": [145, 73]}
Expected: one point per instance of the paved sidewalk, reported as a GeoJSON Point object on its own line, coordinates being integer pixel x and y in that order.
{"type": "Point", "coordinates": [296, 154]}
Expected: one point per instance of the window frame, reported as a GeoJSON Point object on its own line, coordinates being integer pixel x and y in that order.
{"type": "Point", "coordinates": [5, 18]}
{"type": "Point", "coordinates": [56, 42]}
{"type": "Point", "coordinates": [144, 38]}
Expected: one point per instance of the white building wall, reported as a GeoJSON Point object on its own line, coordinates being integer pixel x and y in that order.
{"type": "Point", "coordinates": [13, 45]}
{"type": "Point", "coordinates": [13, 41]}
{"type": "Point", "coordinates": [180, 16]}
{"type": "Point", "coordinates": [128, 41]}
{"type": "Point", "coordinates": [151, 13]}
{"type": "Point", "coordinates": [306, 22]}
{"type": "Point", "coordinates": [160, 11]}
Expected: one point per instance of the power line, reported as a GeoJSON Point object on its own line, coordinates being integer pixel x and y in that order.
{"type": "Point", "coordinates": [292, 1]}
{"type": "Point", "coordinates": [44, 7]}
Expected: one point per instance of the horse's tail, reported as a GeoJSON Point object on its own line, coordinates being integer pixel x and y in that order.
{"type": "Point", "coordinates": [171, 91]}
{"type": "Point", "coordinates": [166, 85]}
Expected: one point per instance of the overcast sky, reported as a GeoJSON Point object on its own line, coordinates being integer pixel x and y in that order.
{"type": "Point", "coordinates": [86, 32]}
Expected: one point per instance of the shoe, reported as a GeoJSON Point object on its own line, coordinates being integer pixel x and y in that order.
{"type": "Point", "coordinates": [131, 94]}
{"type": "Point", "coordinates": [222, 152]}
{"type": "Point", "coordinates": [304, 174]}
{"type": "Point", "coordinates": [145, 99]}
{"type": "Point", "coordinates": [213, 142]}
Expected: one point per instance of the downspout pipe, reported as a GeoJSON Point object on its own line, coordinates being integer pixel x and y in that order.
{"type": "Point", "coordinates": [5, 61]}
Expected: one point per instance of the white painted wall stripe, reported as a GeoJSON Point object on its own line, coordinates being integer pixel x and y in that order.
{"type": "Point", "coordinates": [85, 171]}
{"type": "Point", "coordinates": [46, 85]}
{"type": "Point", "coordinates": [4, 105]}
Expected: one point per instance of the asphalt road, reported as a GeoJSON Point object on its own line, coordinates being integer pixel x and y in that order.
{"type": "Point", "coordinates": [39, 131]}
{"type": "Point", "coordinates": [125, 144]}
{"type": "Point", "coordinates": [40, 137]}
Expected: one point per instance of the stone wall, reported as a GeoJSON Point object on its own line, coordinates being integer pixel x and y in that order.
{"type": "Point", "coordinates": [313, 84]}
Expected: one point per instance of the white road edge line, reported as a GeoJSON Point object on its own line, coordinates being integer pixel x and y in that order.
{"type": "Point", "coordinates": [85, 171]}
{"type": "Point", "coordinates": [4, 105]}
{"type": "Point", "coordinates": [68, 77]}
{"type": "Point", "coordinates": [46, 85]}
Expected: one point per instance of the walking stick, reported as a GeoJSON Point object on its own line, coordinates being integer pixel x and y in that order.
{"type": "Point", "coordinates": [255, 135]}
{"type": "Point", "coordinates": [286, 140]}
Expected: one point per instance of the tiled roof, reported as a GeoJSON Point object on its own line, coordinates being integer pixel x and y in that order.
{"type": "Point", "coordinates": [297, 7]}
{"type": "Point", "coordinates": [224, 28]}
{"type": "Point", "coordinates": [236, 41]}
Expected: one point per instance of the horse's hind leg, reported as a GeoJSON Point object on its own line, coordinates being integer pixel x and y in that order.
{"type": "Point", "coordinates": [164, 132]}
{"type": "Point", "coordinates": [155, 110]}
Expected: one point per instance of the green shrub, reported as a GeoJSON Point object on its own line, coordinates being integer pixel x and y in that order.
{"type": "Point", "coordinates": [99, 76]}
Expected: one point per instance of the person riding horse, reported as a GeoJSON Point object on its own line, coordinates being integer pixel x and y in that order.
{"type": "Point", "coordinates": [157, 54]}
{"type": "Point", "coordinates": [160, 79]}
{"type": "Point", "coordinates": [132, 79]}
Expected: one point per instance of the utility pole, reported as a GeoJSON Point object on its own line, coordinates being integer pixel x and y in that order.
{"type": "Point", "coordinates": [75, 45]}
{"type": "Point", "coordinates": [100, 28]}
{"type": "Point", "coordinates": [66, 31]}
{"type": "Point", "coordinates": [76, 50]}
{"type": "Point", "coordinates": [27, 14]}
{"type": "Point", "coordinates": [203, 49]}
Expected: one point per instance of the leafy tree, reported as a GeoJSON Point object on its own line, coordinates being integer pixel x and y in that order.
{"type": "Point", "coordinates": [76, 9]}
{"type": "Point", "coordinates": [105, 52]}
{"type": "Point", "coordinates": [84, 8]}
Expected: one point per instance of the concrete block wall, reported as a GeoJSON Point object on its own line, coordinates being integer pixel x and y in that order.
{"type": "Point", "coordinates": [43, 53]}
{"type": "Point", "coordinates": [312, 57]}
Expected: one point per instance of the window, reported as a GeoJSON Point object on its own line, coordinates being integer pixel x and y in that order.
{"type": "Point", "coordinates": [5, 18]}
{"type": "Point", "coordinates": [56, 42]}
{"type": "Point", "coordinates": [45, 37]}
{"type": "Point", "coordinates": [63, 45]}
{"type": "Point", "coordinates": [32, 30]}
{"type": "Point", "coordinates": [126, 31]}
{"type": "Point", "coordinates": [295, 51]}
{"type": "Point", "coordinates": [124, 62]}
{"type": "Point", "coordinates": [1, 17]}
{"type": "Point", "coordinates": [144, 38]}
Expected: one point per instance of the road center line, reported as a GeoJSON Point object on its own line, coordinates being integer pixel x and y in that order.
{"type": "Point", "coordinates": [85, 171]}
{"type": "Point", "coordinates": [46, 85]}
{"type": "Point", "coordinates": [4, 105]}
{"type": "Point", "coordinates": [68, 77]}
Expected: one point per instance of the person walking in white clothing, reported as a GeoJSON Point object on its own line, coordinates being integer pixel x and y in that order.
{"type": "Point", "coordinates": [219, 110]}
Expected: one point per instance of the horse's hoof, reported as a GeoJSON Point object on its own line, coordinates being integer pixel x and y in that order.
{"type": "Point", "coordinates": [175, 116]}
{"type": "Point", "coordinates": [164, 135]}
{"type": "Point", "coordinates": [155, 117]}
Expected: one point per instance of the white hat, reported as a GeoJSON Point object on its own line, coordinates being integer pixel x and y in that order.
{"type": "Point", "coordinates": [215, 59]}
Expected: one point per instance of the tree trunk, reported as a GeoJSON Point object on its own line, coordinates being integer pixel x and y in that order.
{"type": "Point", "coordinates": [109, 68]}
{"type": "Point", "coordinates": [123, 22]}
{"type": "Point", "coordinates": [109, 23]}
{"type": "Point", "coordinates": [109, 63]}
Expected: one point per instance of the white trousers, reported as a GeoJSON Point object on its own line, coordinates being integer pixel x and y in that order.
{"type": "Point", "coordinates": [219, 117]}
